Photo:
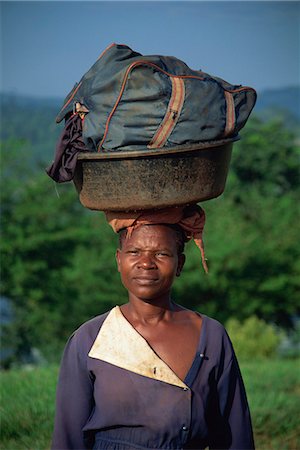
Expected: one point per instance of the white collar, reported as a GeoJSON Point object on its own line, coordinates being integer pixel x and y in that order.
{"type": "Point", "coordinates": [119, 343]}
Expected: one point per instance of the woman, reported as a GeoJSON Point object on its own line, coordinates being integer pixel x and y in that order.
{"type": "Point", "coordinates": [152, 374]}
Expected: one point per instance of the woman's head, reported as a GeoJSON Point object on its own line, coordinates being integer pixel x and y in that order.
{"type": "Point", "coordinates": [149, 260]}
{"type": "Point", "coordinates": [188, 220]}
{"type": "Point", "coordinates": [179, 234]}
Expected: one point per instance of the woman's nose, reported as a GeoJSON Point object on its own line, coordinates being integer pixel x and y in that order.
{"type": "Point", "coordinates": [147, 261]}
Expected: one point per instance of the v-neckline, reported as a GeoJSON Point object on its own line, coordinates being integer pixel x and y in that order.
{"type": "Point", "coordinates": [199, 356]}
{"type": "Point", "coordinates": [192, 371]}
{"type": "Point", "coordinates": [119, 343]}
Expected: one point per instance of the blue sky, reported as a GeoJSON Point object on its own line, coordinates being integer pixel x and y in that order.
{"type": "Point", "coordinates": [48, 45]}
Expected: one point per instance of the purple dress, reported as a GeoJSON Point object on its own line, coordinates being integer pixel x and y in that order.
{"type": "Point", "coordinates": [115, 393]}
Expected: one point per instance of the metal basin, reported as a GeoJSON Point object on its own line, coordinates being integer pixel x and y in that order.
{"type": "Point", "coordinates": [134, 180]}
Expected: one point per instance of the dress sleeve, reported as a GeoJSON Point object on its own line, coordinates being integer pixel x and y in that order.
{"type": "Point", "coordinates": [233, 429]}
{"type": "Point", "coordinates": [74, 398]}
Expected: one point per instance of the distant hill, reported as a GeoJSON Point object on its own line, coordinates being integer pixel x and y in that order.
{"type": "Point", "coordinates": [33, 119]}
{"type": "Point", "coordinates": [280, 103]}
{"type": "Point", "coordinates": [28, 102]}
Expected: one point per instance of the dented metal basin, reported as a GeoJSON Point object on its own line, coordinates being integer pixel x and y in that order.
{"type": "Point", "coordinates": [134, 180]}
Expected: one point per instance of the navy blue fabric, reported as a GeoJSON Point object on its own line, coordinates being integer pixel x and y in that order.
{"type": "Point", "coordinates": [102, 406]}
{"type": "Point", "coordinates": [138, 110]}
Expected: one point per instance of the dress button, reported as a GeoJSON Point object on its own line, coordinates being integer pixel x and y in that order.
{"type": "Point", "coordinates": [185, 389]}
{"type": "Point", "coordinates": [184, 428]}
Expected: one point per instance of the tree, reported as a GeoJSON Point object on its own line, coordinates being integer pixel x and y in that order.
{"type": "Point", "coordinates": [251, 234]}
{"type": "Point", "coordinates": [55, 264]}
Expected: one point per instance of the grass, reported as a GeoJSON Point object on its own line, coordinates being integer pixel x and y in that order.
{"type": "Point", "coordinates": [273, 388]}
{"type": "Point", "coordinates": [27, 408]}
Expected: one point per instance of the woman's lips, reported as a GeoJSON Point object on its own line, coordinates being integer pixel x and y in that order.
{"type": "Point", "coordinates": [145, 280]}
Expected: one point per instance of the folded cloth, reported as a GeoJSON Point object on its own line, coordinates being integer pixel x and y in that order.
{"type": "Point", "coordinates": [67, 149]}
{"type": "Point", "coordinates": [191, 219]}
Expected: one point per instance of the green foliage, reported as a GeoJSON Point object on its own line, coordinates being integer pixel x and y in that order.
{"type": "Point", "coordinates": [253, 338]}
{"type": "Point", "coordinates": [266, 159]}
{"type": "Point", "coordinates": [58, 263]}
{"type": "Point", "coordinates": [273, 388]}
{"type": "Point", "coordinates": [28, 403]}
{"type": "Point", "coordinates": [251, 234]}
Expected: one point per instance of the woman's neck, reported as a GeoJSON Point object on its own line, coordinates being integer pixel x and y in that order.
{"type": "Point", "coordinates": [146, 313]}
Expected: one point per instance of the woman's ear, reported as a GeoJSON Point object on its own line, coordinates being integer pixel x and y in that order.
{"type": "Point", "coordinates": [181, 261]}
{"type": "Point", "coordinates": [118, 259]}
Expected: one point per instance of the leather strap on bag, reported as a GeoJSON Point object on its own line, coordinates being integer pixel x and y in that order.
{"type": "Point", "coordinates": [230, 114]}
{"type": "Point", "coordinates": [172, 115]}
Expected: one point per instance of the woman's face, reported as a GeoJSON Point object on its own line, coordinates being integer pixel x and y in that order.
{"type": "Point", "coordinates": [148, 262]}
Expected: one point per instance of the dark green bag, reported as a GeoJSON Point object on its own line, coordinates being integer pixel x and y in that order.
{"type": "Point", "coordinates": [129, 102]}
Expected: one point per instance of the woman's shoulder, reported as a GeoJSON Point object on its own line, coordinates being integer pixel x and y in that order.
{"type": "Point", "coordinates": [215, 338]}
{"type": "Point", "coordinates": [213, 325]}
{"type": "Point", "coordinates": [209, 325]}
{"type": "Point", "coordinates": [85, 334]}
{"type": "Point", "coordinates": [92, 324]}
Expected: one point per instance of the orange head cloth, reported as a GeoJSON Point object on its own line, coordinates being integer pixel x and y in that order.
{"type": "Point", "coordinates": [191, 219]}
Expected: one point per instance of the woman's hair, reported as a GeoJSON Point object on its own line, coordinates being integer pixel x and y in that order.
{"type": "Point", "coordinates": [180, 236]}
